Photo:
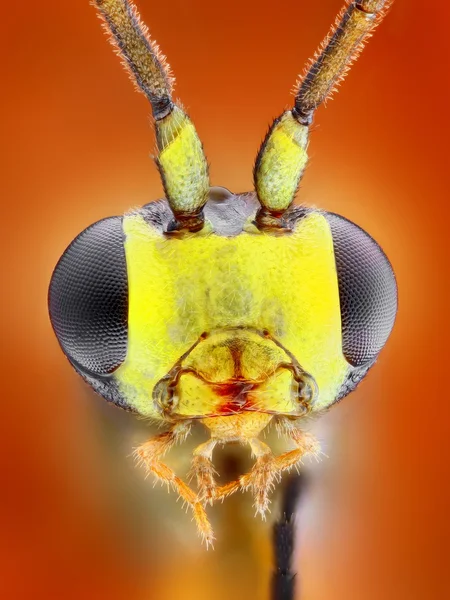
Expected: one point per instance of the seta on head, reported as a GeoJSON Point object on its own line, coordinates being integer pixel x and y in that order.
{"type": "Point", "coordinates": [232, 309]}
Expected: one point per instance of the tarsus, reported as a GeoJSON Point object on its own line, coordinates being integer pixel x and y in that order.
{"type": "Point", "coordinates": [284, 578]}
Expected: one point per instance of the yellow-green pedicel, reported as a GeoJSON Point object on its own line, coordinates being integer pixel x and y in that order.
{"type": "Point", "coordinates": [182, 163]}
{"type": "Point", "coordinates": [182, 288]}
{"type": "Point", "coordinates": [281, 162]}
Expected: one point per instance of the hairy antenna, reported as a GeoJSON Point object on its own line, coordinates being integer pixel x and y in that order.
{"type": "Point", "coordinates": [140, 55]}
{"type": "Point", "coordinates": [344, 43]}
{"type": "Point", "coordinates": [181, 160]}
{"type": "Point", "coordinates": [283, 156]}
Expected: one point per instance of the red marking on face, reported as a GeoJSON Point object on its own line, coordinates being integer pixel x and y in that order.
{"type": "Point", "coordinates": [236, 396]}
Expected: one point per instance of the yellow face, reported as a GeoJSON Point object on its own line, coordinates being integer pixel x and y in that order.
{"type": "Point", "coordinates": [276, 312]}
{"type": "Point", "coordinates": [232, 326]}
{"type": "Point", "coordinates": [234, 310]}
{"type": "Point", "coordinates": [231, 323]}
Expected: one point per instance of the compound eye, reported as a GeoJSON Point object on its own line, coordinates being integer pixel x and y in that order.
{"type": "Point", "coordinates": [88, 298]}
{"type": "Point", "coordinates": [367, 290]}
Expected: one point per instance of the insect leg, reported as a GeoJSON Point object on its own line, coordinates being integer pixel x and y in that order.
{"type": "Point", "coordinates": [151, 453]}
{"type": "Point", "coordinates": [202, 468]}
{"type": "Point", "coordinates": [227, 489]}
{"type": "Point", "coordinates": [284, 578]}
{"type": "Point", "coordinates": [306, 444]}
{"type": "Point", "coordinates": [260, 479]}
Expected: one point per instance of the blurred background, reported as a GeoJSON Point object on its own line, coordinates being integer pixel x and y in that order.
{"type": "Point", "coordinates": [79, 521]}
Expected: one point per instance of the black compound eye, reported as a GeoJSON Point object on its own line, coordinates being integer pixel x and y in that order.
{"type": "Point", "coordinates": [88, 298]}
{"type": "Point", "coordinates": [367, 290]}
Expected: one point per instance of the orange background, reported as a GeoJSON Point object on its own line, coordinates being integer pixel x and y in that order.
{"type": "Point", "coordinates": [78, 521]}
